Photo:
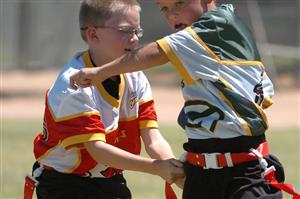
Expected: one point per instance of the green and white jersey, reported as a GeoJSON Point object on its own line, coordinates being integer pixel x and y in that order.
{"type": "Point", "coordinates": [224, 85]}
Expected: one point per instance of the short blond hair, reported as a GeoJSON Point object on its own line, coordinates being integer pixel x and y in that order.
{"type": "Point", "coordinates": [97, 12]}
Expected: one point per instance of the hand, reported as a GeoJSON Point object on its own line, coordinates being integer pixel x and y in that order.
{"type": "Point", "coordinates": [86, 77]}
{"type": "Point", "coordinates": [170, 170]}
{"type": "Point", "coordinates": [180, 182]}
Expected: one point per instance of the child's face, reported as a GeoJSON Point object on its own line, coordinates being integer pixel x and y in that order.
{"type": "Point", "coordinates": [118, 35]}
{"type": "Point", "coordinates": [182, 13]}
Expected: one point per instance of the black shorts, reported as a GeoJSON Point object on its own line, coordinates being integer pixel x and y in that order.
{"type": "Point", "coordinates": [55, 185]}
{"type": "Point", "coordinates": [243, 181]}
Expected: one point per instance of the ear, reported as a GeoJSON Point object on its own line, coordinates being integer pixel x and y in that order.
{"type": "Point", "coordinates": [211, 4]}
{"type": "Point", "coordinates": [91, 34]}
{"type": "Point", "coordinates": [208, 1]}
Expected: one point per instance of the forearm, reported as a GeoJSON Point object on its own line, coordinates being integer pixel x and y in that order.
{"type": "Point", "coordinates": [160, 150]}
{"type": "Point", "coordinates": [143, 58]}
{"type": "Point", "coordinates": [117, 158]}
{"type": "Point", "coordinates": [155, 145]}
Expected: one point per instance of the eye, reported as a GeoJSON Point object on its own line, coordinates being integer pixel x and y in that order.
{"type": "Point", "coordinates": [179, 4]}
{"type": "Point", "coordinates": [126, 29]}
{"type": "Point", "coordinates": [164, 9]}
{"type": "Point", "coordinates": [139, 32]}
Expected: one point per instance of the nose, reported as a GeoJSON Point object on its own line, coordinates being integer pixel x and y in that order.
{"type": "Point", "coordinates": [173, 14]}
{"type": "Point", "coordinates": [134, 38]}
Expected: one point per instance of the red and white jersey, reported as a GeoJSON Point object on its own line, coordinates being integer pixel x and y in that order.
{"type": "Point", "coordinates": [73, 117]}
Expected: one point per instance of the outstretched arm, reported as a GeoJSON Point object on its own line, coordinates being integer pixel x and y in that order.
{"type": "Point", "coordinates": [104, 153]}
{"type": "Point", "coordinates": [146, 57]}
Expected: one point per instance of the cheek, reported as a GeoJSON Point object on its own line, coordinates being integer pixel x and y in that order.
{"type": "Point", "coordinates": [116, 43]}
{"type": "Point", "coordinates": [118, 47]}
{"type": "Point", "coordinates": [169, 21]}
{"type": "Point", "coordinates": [193, 13]}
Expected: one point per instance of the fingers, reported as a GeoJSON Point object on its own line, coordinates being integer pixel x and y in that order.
{"type": "Point", "coordinates": [176, 163]}
{"type": "Point", "coordinates": [73, 82]}
{"type": "Point", "coordinates": [170, 170]}
{"type": "Point", "coordinates": [176, 178]}
{"type": "Point", "coordinates": [177, 175]}
{"type": "Point", "coordinates": [175, 171]}
{"type": "Point", "coordinates": [79, 80]}
{"type": "Point", "coordinates": [83, 83]}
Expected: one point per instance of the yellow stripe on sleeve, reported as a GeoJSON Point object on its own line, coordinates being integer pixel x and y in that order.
{"type": "Point", "coordinates": [267, 102]}
{"type": "Point", "coordinates": [86, 114]}
{"type": "Point", "coordinates": [175, 60]}
{"type": "Point", "coordinates": [83, 138]}
{"type": "Point", "coordinates": [148, 124]}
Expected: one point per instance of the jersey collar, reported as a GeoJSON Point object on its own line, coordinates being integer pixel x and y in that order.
{"type": "Point", "coordinates": [107, 97]}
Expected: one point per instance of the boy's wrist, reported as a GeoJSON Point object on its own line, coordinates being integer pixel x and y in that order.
{"type": "Point", "coordinates": [156, 164]}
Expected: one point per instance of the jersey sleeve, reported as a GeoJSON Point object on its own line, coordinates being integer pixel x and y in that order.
{"type": "Point", "coordinates": [71, 116]}
{"type": "Point", "coordinates": [147, 114]}
{"type": "Point", "coordinates": [190, 57]}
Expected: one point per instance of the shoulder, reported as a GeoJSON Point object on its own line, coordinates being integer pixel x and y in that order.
{"type": "Point", "coordinates": [61, 84]}
{"type": "Point", "coordinates": [136, 77]}
{"type": "Point", "coordinates": [64, 101]}
{"type": "Point", "coordinates": [138, 82]}
{"type": "Point", "coordinates": [61, 96]}
{"type": "Point", "coordinates": [216, 17]}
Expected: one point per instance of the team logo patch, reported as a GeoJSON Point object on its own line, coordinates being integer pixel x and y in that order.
{"type": "Point", "coordinates": [201, 114]}
{"type": "Point", "coordinates": [258, 90]}
{"type": "Point", "coordinates": [133, 99]}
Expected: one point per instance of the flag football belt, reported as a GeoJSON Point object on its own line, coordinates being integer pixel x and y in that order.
{"type": "Point", "coordinates": [221, 160]}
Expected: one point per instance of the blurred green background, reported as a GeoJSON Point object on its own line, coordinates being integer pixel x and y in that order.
{"type": "Point", "coordinates": [17, 158]}
{"type": "Point", "coordinates": [38, 36]}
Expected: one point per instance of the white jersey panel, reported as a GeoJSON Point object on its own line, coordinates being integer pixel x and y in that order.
{"type": "Point", "coordinates": [268, 87]}
{"type": "Point", "coordinates": [108, 113]}
{"type": "Point", "coordinates": [60, 155]}
{"type": "Point", "coordinates": [193, 56]}
{"type": "Point", "coordinates": [65, 102]}
{"type": "Point", "coordinates": [138, 90]}
{"type": "Point", "coordinates": [145, 93]}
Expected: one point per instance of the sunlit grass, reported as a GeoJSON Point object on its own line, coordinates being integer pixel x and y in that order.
{"type": "Point", "coordinates": [17, 158]}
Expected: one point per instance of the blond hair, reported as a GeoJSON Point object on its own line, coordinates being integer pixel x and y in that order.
{"type": "Point", "coordinates": [97, 12]}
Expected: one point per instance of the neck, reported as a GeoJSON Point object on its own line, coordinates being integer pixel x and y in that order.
{"type": "Point", "coordinates": [98, 59]}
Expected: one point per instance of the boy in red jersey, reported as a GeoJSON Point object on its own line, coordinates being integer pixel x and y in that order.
{"type": "Point", "coordinates": [90, 135]}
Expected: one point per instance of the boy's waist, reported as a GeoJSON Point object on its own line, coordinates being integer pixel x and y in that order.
{"type": "Point", "coordinates": [53, 172]}
{"type": "Point", "coordinates": [103, 172]}
{"type": "Point", "coordinates": [233, 145]}
{"type": "Point", "coordinates": [221, 160]}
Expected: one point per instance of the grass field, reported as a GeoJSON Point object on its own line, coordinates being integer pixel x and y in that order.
{"type": "Point", "coordinates": [17, 158]}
